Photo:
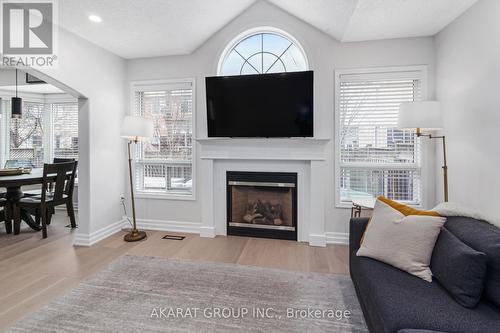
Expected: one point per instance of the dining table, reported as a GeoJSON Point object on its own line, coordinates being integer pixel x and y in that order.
{"type": "Point", "coordinates": [14, 193]}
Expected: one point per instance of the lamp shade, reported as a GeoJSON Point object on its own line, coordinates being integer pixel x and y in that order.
{"type": "Point", "coordinates": [424, 115]}
{"type": "Point", "coordinates": [137, 128]}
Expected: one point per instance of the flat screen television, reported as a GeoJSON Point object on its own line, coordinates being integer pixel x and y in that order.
{"type": "Point", "coordinates": [262, 105]}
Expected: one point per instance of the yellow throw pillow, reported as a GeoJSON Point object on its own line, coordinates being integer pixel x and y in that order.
{"type": "Point", "coordinates": [403, 209]}
{"type": "Point", "coordinates": [406, 210]}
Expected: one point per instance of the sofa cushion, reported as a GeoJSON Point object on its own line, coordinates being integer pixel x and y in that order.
{"type": "Point", "coordinates": [482, 237]}
{"type": "Point", "coordinates": [460, 269]}
{"type": "Point", "coordinates": [397, 300]}
{"type": "Point", "coordinates": [405, 242]}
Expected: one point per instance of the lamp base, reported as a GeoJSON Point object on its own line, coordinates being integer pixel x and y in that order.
{"type": "Point", "coordinates": [134, 236]}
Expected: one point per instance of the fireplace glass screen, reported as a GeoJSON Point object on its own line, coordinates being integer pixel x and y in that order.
{"type": "Point", "coordinates": [262, 206]}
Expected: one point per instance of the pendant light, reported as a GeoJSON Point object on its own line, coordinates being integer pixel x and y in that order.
{"type": "Point", "coordinates": [16, 105]}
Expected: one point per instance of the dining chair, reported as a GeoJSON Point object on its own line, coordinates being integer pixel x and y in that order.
{"type": "Point", "coordinates": [70, 189]}
{"type": "Point", "coordinates": [5, 214]}
{"type": "Point", "coordinates": [64, 160]}
{"type": "Point", "coordinates": [42, 205]}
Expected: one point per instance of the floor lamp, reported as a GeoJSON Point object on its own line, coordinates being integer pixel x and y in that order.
{"type": "Point", "coordinates": [135, 129]}
{"type": "Point", "coordinates": [425, 116]}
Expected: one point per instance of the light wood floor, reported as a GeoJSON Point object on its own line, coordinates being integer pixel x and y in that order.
{"type": "Point", "coordinates": [33, 271]}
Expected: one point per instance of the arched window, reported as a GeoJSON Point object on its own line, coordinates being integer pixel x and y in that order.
{"type": "Point", "coordinates": [263, 51]}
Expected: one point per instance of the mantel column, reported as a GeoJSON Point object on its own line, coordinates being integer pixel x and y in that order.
{"type": "Point", "coordinates": [207, 228]}
{"type": "Point", "coordinates": [317, 236]}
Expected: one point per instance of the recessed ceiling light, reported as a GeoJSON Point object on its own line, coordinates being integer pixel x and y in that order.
{"type": "Point", "coordinates": [95, 18]}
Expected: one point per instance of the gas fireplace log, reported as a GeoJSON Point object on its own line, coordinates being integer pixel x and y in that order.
{"type": "Point", "coordinates": [249, 218]}
{"type": "Point", "coordinates": [278, 221]}
{"type": "Point", "coordinates": [259, 212]}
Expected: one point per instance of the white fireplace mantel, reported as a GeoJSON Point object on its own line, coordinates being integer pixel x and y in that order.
{"type": "Point", "coordinates": [306, 156]}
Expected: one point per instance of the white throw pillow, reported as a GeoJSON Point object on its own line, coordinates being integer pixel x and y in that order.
{"type": "Point", "coordinates": [405, 242]}
{"type": "Point", "coordinates": [456, 209]}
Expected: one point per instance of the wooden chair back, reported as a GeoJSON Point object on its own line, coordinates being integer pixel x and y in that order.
{"type": "Point", "coordinates": [63, 160]}
{"type": "Point", "coordinates": [63, 173]}
{"type": "Point", "coordinates": [70, 185]}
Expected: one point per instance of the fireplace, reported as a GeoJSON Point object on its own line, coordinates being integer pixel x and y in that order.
{"type": "Point", "coordinates": [262, 204]}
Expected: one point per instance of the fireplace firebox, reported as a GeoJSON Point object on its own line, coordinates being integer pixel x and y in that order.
{"type": "Point", "coordinates": [262, 204]}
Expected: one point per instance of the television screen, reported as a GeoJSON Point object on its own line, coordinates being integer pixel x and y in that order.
{"type": "Point", "coordinates": [262, 105]}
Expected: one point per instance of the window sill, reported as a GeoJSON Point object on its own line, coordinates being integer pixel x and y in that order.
{"type": "Point", "coordinates": [165, 196]}
{"type": "Point", "coordinates": [343, 205]}
{"type": "Point", "coordinates": [349, 205]}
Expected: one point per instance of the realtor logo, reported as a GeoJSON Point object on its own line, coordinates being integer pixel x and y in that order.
{"type": "Point", "coordinates": [28, 28]}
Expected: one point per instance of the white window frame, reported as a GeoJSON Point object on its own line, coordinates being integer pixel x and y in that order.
{"type": "Point", "coordinates": [49, 124]}
{"type": "Point", "coordinates": [159, 84]}
{"type": "Point", "coordinates": [48, 139]}
{"type": "Point", "coordinates": [423, 152]}
{"type": "Point", "coordinates": [255, 31]}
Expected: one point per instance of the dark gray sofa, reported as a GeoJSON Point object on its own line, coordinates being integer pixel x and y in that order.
{"type": "Point", "coordinates": [394, 301]}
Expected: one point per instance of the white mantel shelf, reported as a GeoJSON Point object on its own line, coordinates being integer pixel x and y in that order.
{"type": "Point", "coordinates": [306, 156]}
{"type": "Point", "coordinates": [292, 149]}
{"type": "Point", "coordinates": [277, 140]}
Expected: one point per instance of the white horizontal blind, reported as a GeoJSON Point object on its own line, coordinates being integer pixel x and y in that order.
{"type": "Point", "coordinates": [377, 158]}
{"type": "Point", "coordinates": [164, 164]}
{"type": "Point", "coordinates": [45, 131]}
{"type": "Point", "coordinates": [26, 136]}
{"type": "Point", "coordinates": [65, 130]}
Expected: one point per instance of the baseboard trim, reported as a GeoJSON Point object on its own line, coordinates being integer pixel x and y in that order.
{"type": "Point", "coordinates": [208, 232]}
{"type": "Point", "coordinates": [317, 240]}
{"type": "Point", "coordinates": [341, 238]}
{"type": "Point", "coordinates": [162, 225]}
{"type": "Point", "coordinates": [96, 236]}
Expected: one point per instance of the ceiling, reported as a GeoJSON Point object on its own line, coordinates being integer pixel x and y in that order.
{"type": "Point", "coordinates": [147, 28]}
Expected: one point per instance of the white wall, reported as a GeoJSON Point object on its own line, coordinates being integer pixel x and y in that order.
{"type": "Point", "coordinates": [98, 77]}
{"type": "Point", "coordinates": [8, 77]}
{"type": "Point", "coordinates": [468, 76]}
{"type": "Point", "coordinates": [324, 54]}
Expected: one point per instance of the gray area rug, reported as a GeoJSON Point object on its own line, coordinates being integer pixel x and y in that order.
{"type": "Point", "coordinates": [148, 294]}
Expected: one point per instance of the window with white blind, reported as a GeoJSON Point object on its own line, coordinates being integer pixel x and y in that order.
{"type": "Point", "coordinates": [26, 135]}
{"type": "Point", "coordinates": [65, 130]}
{"type": "Point", "coordinates": [46, 130]}
{"type": "Point", "coordinates": [164, 165]}
{"type": "Point", "coordinates": [374, 157]}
